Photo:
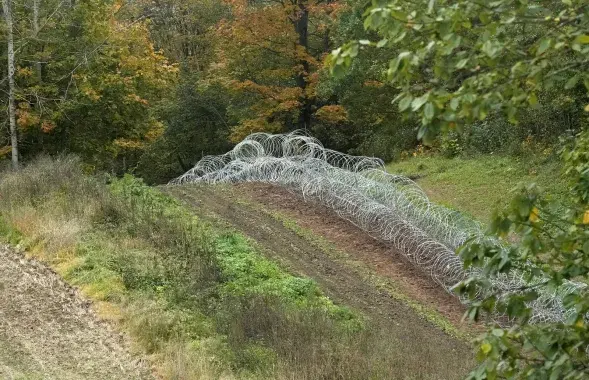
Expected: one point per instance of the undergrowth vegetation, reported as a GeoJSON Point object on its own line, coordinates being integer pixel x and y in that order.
{"type": "Point", "coordinates": [202, 302]}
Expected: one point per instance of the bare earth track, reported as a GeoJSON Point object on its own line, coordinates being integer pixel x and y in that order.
{"type": "Point", "coordinates": [245, 206]}
{"type": "Point", "coordinates": [47, 331]}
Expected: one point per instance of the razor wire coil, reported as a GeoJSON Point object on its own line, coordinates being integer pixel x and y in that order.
{"type": "Point", "coordinates": [391, 208]}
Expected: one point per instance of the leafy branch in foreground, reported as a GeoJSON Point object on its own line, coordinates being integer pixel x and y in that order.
{"type": "Point", "coordinates": [555, 243]}
{"type": "Point", "coordinates": [457, 62]}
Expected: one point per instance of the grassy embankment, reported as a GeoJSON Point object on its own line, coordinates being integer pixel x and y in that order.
{"type": "Point", "coordinates": [478, 185]}
{"type": "Point", "coordinates": [201, 302]}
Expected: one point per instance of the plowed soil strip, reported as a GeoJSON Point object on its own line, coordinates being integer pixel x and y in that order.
{"type": "Point", "coordinates": [379, 257]}
{"type": "Point", "coordinates": [414, 335]}
{"type": "Point", "coordinates": [47, 331]}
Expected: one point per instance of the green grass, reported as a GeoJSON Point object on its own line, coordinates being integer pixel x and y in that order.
{"type": "Point", "coordinates": [479, 185]}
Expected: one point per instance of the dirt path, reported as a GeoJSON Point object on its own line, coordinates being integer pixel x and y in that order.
{"type": "Point", "coordinates": [415, 337]}
{"type": "Point", "coordinates": [47, 331]}
{"type": "Point", "coordinates": [377, 256]}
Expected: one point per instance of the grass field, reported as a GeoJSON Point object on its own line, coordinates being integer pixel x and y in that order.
{"type": "Point", "coordinates": [479, 185]}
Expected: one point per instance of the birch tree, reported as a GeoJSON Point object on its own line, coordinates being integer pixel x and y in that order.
{"type": "Point", "coordinates": [7, 9]}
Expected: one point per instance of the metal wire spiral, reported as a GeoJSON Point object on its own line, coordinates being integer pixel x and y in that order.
{"type": "Point", "coordinates": [389, 207]}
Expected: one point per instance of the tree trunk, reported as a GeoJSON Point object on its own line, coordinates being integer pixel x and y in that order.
{"type": "Point", "coordinates": [38, 65]}
{"type": "Point", "coordinates": [6, 6]}
{"type": "Point", "coordinates": [301, 24]}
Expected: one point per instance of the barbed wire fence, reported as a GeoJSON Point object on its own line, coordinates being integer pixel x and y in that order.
{"type": "Point", "coordinates": [390, 208]}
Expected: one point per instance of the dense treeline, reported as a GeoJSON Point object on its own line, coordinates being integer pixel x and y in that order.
{"type": "Point", "coordinates": [151, 86]}
{"type": "Point", "coordinates": [87, 78]}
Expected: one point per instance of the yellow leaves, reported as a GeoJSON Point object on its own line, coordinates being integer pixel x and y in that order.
{"type": "Point", "coordinates": [128, 144]}
{"type": "Point", "coordinates": [287, 106]}
{"type": "Point", "coordinates": [586, 108]}
{"type": "Point", "coordinates": [260, 43]}
{"type": "Point", "coordinates": [5, 150]}
{"type": "Point", "coordinates": [373, 83]}
{"type": "Point", "coordinates": [586, 217]}
{"type": "Point", "coordinates": [137, 99]}
{"type": "Point", "coordinates": [91, 94]}
{"type": "Point", "coordinates": [486, 348]}
{"type": "Point", "coordinates": [582, 39]}
{"type": "Point", "coordinates": [156, 131]}
{"type": "Point", "coordinates": [535, 215]}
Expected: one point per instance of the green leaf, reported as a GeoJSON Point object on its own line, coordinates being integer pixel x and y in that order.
{"type": "Point", "coordinates": [405, 103]}
{"type": "Point", "coordinates": [417, 103]}
{"type": "Point", "coordinates": [498, 332]}
{"type": "Point", "coordinates": [489, 49]}
{"type": "Point", "coordinates": [454, 103]}
{"type": "Point", "coordinates": [462, 63]}
{"type": "Point", "coordinates": [533, 99]}
{"type": "Point", "coordinates": [430, 6]}
{"type": "Point", "coordinates": [421, 132]}
{"type": "Point", "coordinates": [582, 39]}
{"type": "Point", "coordinates": [484, 17]}
{"type": "Point", "coordinates": [544, 45]}
{"type": "Point", "coordinates": [572, 82]}
{"type": "Point", "coordinates": [429, 111]}
{"type": "Point", "coordinates": [398, 63]}
{"type": "Point", "coordinates": [586, 247]}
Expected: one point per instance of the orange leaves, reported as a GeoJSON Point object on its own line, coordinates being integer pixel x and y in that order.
{"type": "Point", "coordinates": [26, 118]}
{"type": "Point", "coordinates": [24, 72]}
{"type": "Point", "coordinates": [277, 93]}
{"type": "Point", "coordinates": [329, 8]}
{"type": "Point", "coordinates": [118, 4]}
{"type": "Point", "coordinates": [269, 56]}
{"type": "Point", "coordinates": [332, 114]}
{"type": "Point", "coordinates": [137, 99]}
{"type": "Point", "coordinates": [47, 126]}
{"type": "Point", "coordinates": [249, 126]}
{"type": "Point", "coordinates": [273, 99]}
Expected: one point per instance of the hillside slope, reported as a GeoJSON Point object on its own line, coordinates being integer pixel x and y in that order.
{"type": "Point", "coordinates": [350, 267]}
{"type": "Point", "coordinates": [47, 331]}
